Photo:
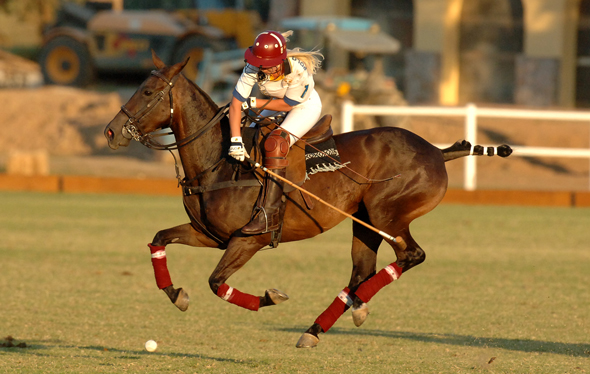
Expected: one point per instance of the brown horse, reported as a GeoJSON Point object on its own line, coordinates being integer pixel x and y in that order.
{"type": "Point", "coordinates": [220, 194]}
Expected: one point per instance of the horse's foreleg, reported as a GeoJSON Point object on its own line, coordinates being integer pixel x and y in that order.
{"type": "Point", "coordinates": [183, 234]}
{"type": "Point", "coordinates": [240, 251]}
{"type": "Point", "coordinates": [364, 258]}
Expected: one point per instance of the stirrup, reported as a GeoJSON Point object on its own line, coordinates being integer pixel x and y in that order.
{"type": "Point", "coordinates": [256, 219]}
{"type": "Point", "coordinates": [260, 210]}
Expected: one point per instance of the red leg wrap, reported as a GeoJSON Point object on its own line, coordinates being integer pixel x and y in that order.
{"type": "Point", "coordinates": [369, 288]}
{"type": "Point", "coordinates": [340, 304]}
{"type": "Point", "coordinates": [160, 268]}
{"type": "Point", "coordinates": [233, 296]}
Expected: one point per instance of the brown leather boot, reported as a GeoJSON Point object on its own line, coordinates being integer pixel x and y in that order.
{"type": "Point", "coordinates": [268, 218]}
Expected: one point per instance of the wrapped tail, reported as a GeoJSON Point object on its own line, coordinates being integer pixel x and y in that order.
{"type": "Point", "coordinates": [463, 148]}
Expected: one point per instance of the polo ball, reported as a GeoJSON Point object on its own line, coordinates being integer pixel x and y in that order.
{"type": "Point", "coordinates": [151, 346]}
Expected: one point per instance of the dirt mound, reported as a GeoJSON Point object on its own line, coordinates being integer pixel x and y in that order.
{"type": "Point", "coordinates": [59, 120]}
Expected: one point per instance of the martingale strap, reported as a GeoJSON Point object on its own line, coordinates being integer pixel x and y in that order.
{"type": "Point", "coordinates": [201, 227]}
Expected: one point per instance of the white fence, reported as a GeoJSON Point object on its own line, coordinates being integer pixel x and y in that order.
{"type": "Point", "coordinates": [471, 113]}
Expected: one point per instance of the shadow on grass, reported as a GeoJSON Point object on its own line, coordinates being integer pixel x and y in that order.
{"type": "Point", "coordinates": [138, 354]}
{"type": "Point", "coordinates": [522, 345]}
{"type": "Point", "coordinates": [36, 348]}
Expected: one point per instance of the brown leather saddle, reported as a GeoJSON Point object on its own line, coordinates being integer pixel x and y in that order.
{"type": "Point", "coordinates": [296, 172]}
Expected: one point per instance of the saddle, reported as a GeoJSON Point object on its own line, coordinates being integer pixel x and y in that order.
{"type": "Point", "coordinates": [321, 131]}
{"type": "Point", "coordinates": [296, 171]}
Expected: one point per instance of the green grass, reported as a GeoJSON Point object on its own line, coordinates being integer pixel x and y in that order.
{"type": "Point", "coordinates": [503, 290]}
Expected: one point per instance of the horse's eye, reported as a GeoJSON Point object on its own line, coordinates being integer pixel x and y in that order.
{"type": "Point", "coordinates": [147, 93]}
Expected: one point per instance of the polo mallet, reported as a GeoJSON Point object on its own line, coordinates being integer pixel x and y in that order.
{"type": "Point", "coordinates": [399, 241]}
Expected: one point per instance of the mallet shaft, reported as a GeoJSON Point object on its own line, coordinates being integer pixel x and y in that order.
{"type": "Point", "coordinates": [398, 240]}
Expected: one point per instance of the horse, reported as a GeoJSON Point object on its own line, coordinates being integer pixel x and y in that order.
{"type": "Point", "coordinates": [220, 193]}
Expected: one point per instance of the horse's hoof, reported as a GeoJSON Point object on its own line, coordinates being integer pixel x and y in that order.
{"type": "Point", "coordinates": [182, 300]}
{"type": "Point", "coordinates": [359, 315]}
{"type": "Point", "coordinates": [275, 296]}
{"type": "Point", "coordinates": [307, 340]}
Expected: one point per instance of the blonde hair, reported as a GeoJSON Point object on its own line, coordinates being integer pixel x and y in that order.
{"type": "Point", "coordinates": [312, 59]}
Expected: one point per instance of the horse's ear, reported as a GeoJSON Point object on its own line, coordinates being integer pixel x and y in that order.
{"type": "Point", "coordinates": [177, 68]}
{"type": "Point", "coordinates": [157, 61]}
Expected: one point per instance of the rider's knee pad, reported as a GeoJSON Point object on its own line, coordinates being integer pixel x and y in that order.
{"type": "Point", "coordinates": [276, 148]}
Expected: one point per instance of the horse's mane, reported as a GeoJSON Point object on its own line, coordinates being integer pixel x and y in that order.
{"type": "Point", "coordinates": [204, 94]}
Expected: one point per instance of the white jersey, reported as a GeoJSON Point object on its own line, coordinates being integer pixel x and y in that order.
{"type": "Point", "coordinates": [295, 86]}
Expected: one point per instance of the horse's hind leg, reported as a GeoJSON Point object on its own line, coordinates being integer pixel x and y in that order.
{"type": "Point", "coordinates": [408, 256]}
{"type": "Point", "coordinates": [183, 234]}
{"type": "Point", "coordinates": [365, 245]}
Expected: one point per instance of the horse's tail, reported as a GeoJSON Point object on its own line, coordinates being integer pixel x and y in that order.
{"type": "Point", "coordinates": [463, 148]}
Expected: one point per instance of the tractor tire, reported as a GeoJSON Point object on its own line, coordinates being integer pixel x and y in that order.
{"type": "Point", "coordinates": [66, 61]}
{"type": "Point", "coordinates": [193, 47]}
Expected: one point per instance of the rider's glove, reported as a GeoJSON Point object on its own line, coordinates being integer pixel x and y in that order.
{"type": "Point", "coordinates": [236, 149]}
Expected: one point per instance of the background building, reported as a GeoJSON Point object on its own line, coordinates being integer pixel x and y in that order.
{"type": "Point", "coordinates": [524, 52]}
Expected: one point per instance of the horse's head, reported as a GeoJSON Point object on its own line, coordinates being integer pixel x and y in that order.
{"type": "Point", "coordinates": [149, 109]}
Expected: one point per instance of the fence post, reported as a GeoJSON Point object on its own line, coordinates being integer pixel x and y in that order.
{"type": "Point", "coordinates": [347, 120]}
{"type": "Point", "coordinates": [470, 177]}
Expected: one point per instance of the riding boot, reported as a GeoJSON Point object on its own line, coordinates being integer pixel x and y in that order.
{"type": "Point", "coordinates": [269, 211]}
{"type": "Point", "coordinates": [269, 215]}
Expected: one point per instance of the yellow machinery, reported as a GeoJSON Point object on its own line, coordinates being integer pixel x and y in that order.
{"type": "Point", "coordinates": [118, 35]}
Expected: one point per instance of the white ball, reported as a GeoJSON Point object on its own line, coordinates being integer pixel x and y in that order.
{"type": "Point", "coordinates": [151, 346]}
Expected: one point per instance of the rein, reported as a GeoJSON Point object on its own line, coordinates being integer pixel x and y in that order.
{"type": "Point", "coordinates": [151, 143]}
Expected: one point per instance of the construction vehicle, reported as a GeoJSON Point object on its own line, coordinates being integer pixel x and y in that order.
{"type": "Point", "coordinates": [118, 36]}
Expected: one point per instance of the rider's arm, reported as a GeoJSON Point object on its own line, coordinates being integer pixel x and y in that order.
{"type": "Point", "coordinates": [235, 111]}
{"type": "Point", "coordinates": [278, 105]}
{"type": "Point", "coordinates": [240, 94]}
{"type": "Point", "coordinates": [235, 116]}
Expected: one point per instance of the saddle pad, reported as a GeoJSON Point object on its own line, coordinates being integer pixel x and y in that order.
{"type": "Point", "coordinates": [322, 157]}
{"type": "Point", "coordinates": [319, 157]}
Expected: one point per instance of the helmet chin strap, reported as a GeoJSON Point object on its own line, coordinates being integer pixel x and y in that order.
{"type": "Point", "coordinates": [262, 76]}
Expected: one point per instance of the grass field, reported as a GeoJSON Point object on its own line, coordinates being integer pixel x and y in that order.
{"type": "Point", "coordinates": [503, 290]}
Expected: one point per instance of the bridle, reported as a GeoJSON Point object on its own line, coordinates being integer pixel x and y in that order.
{"type": "Point", "coordinates": [131, 129]}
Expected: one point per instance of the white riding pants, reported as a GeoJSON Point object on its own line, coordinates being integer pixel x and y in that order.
{"type": "Point", "coordinates": [301, 118]}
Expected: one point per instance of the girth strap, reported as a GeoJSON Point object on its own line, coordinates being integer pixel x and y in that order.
{"type": "Point", "coordinates": [190, 190]}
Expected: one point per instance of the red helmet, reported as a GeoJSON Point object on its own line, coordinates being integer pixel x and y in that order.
{"type": "Point", "coordinates": [269, 49]}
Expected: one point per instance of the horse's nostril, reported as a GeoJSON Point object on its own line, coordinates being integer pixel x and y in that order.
{"type": "Point", "coordinates": [110, 134]}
